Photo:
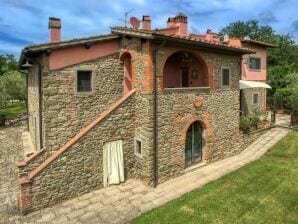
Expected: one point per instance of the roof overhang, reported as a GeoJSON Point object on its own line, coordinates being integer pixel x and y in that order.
{"type": "Point", "coordinates": [243, 84]}
{"type": "Point", "coordinates": [153, 35]}
{"type": "Point", "coordinates": [259, 43]}
{"type": "Point", "coordinates": [38, 48]}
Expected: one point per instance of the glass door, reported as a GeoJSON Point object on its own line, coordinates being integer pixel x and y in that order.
{"type": "Point", "coordinates": [193, 144]}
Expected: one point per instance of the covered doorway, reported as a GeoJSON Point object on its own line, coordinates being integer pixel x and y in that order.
{"type": "Point", "coordinates": [193, 144]}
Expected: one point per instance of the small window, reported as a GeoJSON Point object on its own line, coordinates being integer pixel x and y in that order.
{"type": "Point", "coordinates": [225, 75]}
{"type": "Point", "coordinates": [138, 148]}
{"type": "Point", "coordinates": [255, 98]}
{"type": "Point", "coordinates": [255, 63]}
{"type": "Point", "coordinates": [84, 81]}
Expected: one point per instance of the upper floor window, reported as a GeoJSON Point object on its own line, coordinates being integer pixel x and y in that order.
{"type": "Point", "coordinates": [225, 77]}
{"type": "Point", "coordinates": [255, 63]}
{"type": "Point", "coordinates": [84, 81]}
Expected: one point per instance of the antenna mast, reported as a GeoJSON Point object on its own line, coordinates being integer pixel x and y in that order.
{"type": "Point", "coordinates": [125, 17]}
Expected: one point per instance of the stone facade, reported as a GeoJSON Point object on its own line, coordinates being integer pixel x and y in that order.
{"type": "Point", "coordinates": [248, 105]}
{"type": "Point", "coordinates": [65, 113]}
{"type": "Point", "coordinates": [79, 169]}
{"type": "Point", "coordinates": [215, 108]}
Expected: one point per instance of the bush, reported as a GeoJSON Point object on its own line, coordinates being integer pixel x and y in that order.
{"type": "Point", "coordinates": [254, 120]}
{"type": "Point", "coordinates": [245, 124]}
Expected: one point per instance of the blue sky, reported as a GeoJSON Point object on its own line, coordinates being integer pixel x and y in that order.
{"type": "Point", "coordinates": [24, 22]}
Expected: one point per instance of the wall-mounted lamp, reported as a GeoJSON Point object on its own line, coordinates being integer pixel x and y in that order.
{"type": "Point", "coordinates": [27, 65]}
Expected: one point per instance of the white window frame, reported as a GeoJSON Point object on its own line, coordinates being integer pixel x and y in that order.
{"type": "Point", "coordinates": [140, 155]}
{"type": "Point", "coordinates": [92, 80]}
{"type": "Point", "coordinates": [221, 77]}
{"type": "Point", "coordinates": [253, 98]}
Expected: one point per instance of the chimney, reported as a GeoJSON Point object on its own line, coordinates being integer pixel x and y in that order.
{"type": "Point", "coordinates": [55, 29]}
{"type": "Point", "coordinates": [171, 23]}
{"type": "Point", "coordinates": [180, 23]}
{"type": "Point", "coordinates": [146, 23]}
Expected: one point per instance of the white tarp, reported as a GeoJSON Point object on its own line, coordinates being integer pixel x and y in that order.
{"type": "Point", "coordinates": [113, 164]}
{"type": "Point", "coordinates": [253, 84]}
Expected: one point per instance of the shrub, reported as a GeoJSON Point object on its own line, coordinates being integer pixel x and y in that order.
{"type": "Point", "coordinates": [254, 120]}
{"type": "Point", "coordinates": [245, 124]}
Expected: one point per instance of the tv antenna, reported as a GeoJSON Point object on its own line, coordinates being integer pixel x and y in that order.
{"type": "Point", "coordinates": [125, 20]}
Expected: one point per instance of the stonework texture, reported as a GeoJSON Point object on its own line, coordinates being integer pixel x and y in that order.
{"type": "Point", "coordinates": [79, 169]}
{"type": "Point", "coordinates": [248, 106]}
{"type": "Point", "coordinates": [65, 112]}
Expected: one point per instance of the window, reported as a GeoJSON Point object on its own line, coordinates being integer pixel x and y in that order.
{"type": "Point", "coordinates": [255, 63]}
{"type": "Point", "coordinates": [84, 81]}
{"type": "Point", "coordinates": [225, 77]}
{"type": "Point", "coordinates": [255, 98]}
{"type": "Point", "coordinates": [138, 148]}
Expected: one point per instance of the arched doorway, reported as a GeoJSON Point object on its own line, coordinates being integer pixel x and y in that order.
{"type": "Point", "coordinates": [127, 73]}
{"type": "Point", "coordinates": [193, 144]}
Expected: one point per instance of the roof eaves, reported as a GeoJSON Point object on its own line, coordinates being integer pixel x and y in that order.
{"type": "Point", "coordinates": [256, 42]}
{"type": "Point", "coordinates": [131, 32]}
{"type": "Point", "coordinates": [68, 43]}
{"type": "Point", "coordinates": [204, 44]}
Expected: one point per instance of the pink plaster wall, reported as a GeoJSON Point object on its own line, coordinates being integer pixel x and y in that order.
{"type": "Point", "coordinates": [63, 57]}
{"type": "Point", "coordinates": [248, 74]}
{"type": "Point", "coordinates": [255, 75]}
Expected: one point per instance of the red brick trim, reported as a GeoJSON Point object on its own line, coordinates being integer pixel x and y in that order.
{"type": "Point", "coordinates": [57, 153]}
{"type": "Point", "coordinates": [205, 124]}
{"type": "Point", "coordinates": [28, 159]}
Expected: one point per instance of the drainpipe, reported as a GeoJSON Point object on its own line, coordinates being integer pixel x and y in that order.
{"type": "Point", "coordinates": [155, 129]}
{"type": "Point", "coordinates": [40, 105]}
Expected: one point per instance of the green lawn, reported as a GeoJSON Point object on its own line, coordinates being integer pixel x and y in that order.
{"type": "Point", "coordinates": [12, 110]}
{"type": "Point", "coordinates": [264, 191]}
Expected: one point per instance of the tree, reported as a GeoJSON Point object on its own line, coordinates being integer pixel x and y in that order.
{"type": "Point", "coordinates": [12, 82]}
{"type": "Point", "coordinates": [7, 63]}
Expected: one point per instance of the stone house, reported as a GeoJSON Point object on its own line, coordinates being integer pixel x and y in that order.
{"type": "Point", "coordinates": [137, 103]}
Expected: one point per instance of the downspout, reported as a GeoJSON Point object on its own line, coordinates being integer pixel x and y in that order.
{"type": "Point", "coordinates": [155, 129]}
{"type": "Point", "coordinates": [40, 104]}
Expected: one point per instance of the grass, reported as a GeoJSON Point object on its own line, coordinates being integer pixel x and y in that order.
{"type": "Point", "coordinates": [264, 191]}
{"type": "Point", "coordinates": [12, 111]}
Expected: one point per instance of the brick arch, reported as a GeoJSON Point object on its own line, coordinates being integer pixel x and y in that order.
{"type": "Point", "coordinates": [207, 67]}
{"type": "Point", "coordinates": [127, 59]}
{"type": "Point", "coordinates": [206, 128]}
{"type": "Point", "coordinates": [125, 53]}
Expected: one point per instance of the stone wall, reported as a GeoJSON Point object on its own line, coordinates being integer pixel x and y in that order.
{"type": "Point", "coordinates": [218, 113]}
{"type": "Point", "coordinates": [80, 168]}
{"type": "Point", "coordinates": [216, 109]}
{"type": "Point", "coordinates": [66, 112]}
{"type": "Point", "coordinates": [248, 106]}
